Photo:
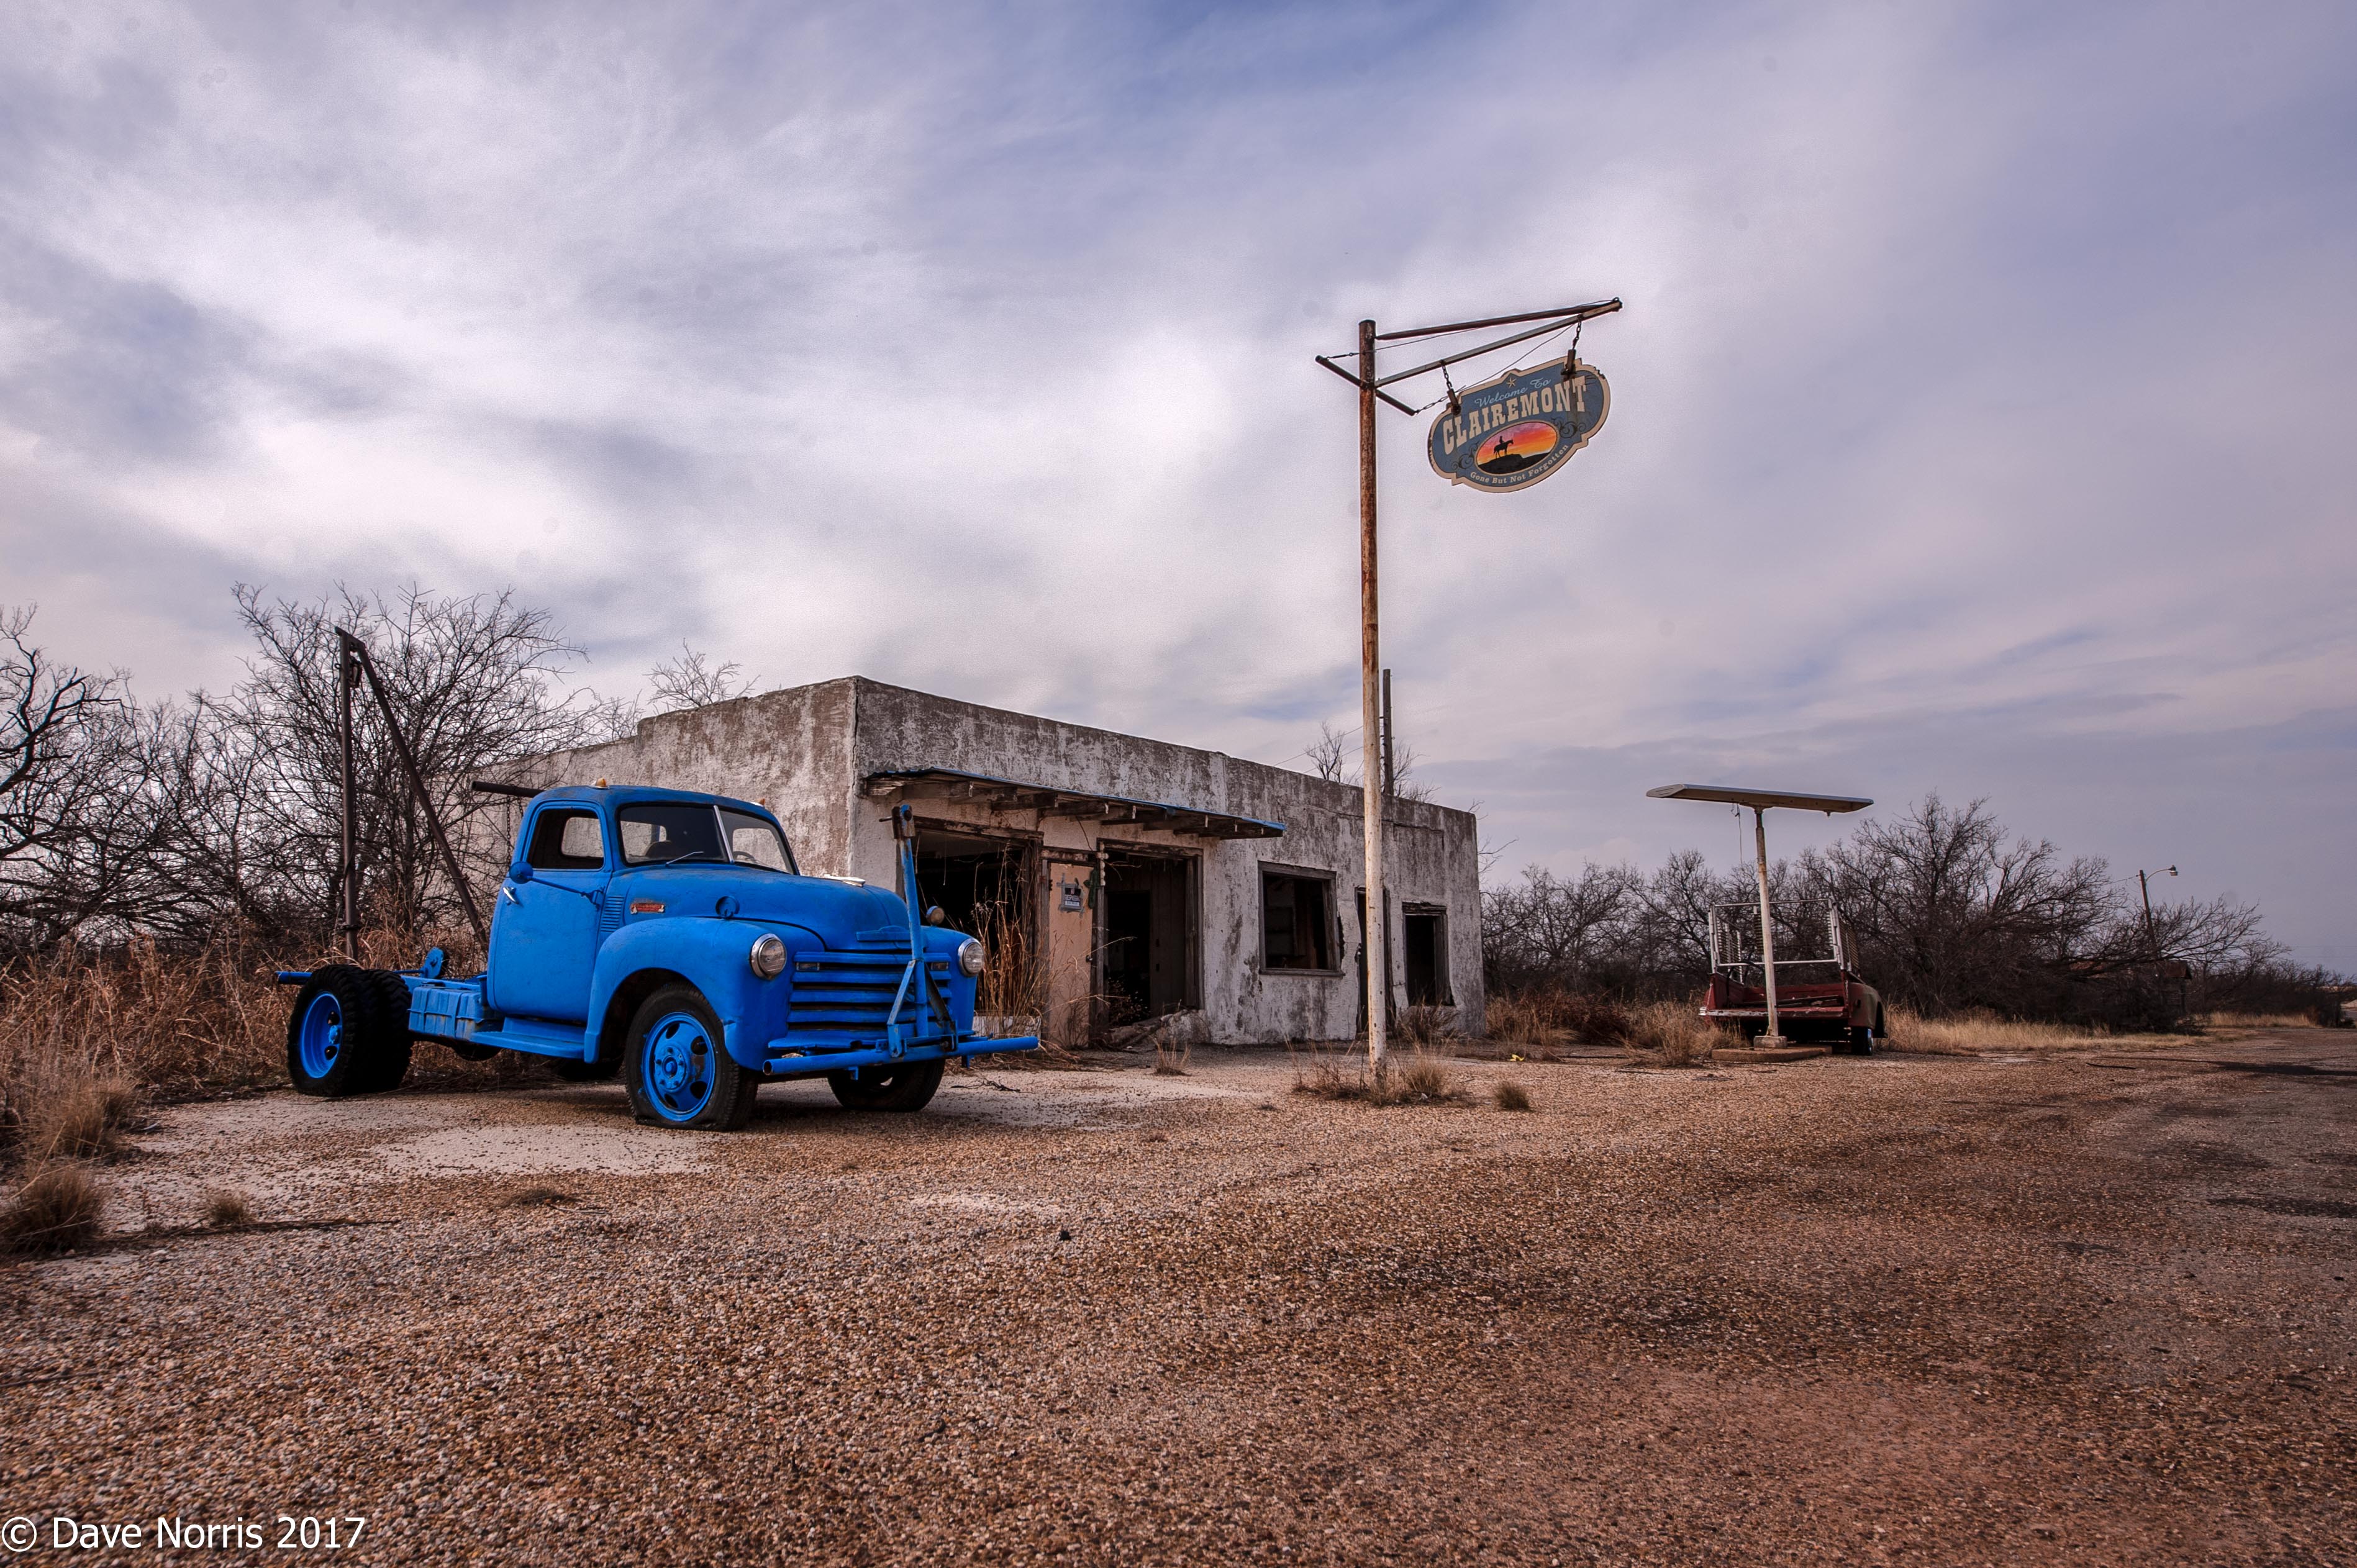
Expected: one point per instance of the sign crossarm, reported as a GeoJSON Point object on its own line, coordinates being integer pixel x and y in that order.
{"type": "Point", "coordinates": [1354, 381]}
{"type": "Point", "coordinates": [1582, 311]}
{"type": "Point", "coordinates": [1553, 324]}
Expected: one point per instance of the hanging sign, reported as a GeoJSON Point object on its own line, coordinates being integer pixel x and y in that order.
{"type": "Point", "coordinates": [1516, 430]}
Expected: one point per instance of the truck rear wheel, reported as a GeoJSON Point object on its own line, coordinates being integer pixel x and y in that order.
{"type": "Point", "coordinates": [908, 1087]}
{"type": "Point", "coordinates": [1861, 1041]}
{"type": "Point", "coordinates": [678, 1069]}
{"type": "Point", "coordinates": [343, 1037]}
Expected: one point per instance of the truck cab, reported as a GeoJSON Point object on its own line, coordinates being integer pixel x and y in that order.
{"type": "Point", "coordinates": [669, 936]}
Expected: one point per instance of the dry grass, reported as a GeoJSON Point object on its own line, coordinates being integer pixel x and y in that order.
{"type": "Point", "coordinates": [2257, 1021]}
{"type": "Point", "coordinates": [228, 1210]}
{"type": "Point", "coordinates": [1511, 1096]}
{"type": "Point", "coordinates": [56, 1210]}
{"type": "Point", "coordinates": [68, 1110]}
{"type": "Point", "coordinates": [1416, 1079]}
{"type": "Point", "coordinates": [537, 1196]}
{"type": "Point", "coordinates": [173, 1021]}
{"type": "Point", "coordinates": [1968, 1033]}
{"type": "Point", "coordinates": [1170, 1059]}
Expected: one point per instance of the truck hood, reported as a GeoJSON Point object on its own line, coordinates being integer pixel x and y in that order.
{"type": "Point", "coordinates": [837, 913]}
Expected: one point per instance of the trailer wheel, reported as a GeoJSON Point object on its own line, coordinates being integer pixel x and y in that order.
{"type": "Point", "coordinates": [678, 1070]}
{"type": "Point", "coordinates": [389, 1064]}
{"type": "Point", "coordinates": [908, 1087]}
{"type": "Point", "coordinates": [336, 1033]}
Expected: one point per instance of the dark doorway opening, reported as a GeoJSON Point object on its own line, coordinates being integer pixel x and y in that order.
{"type": "Point", "coordinates": [1149, 936]}
{"type": "Point", "coordinates": [987, 888]}
{"type": "Point", "coordinates": [1424, 936]}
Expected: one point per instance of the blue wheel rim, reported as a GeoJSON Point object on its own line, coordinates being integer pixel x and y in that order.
{"type": "Point", "coordinates": [321, 1040]}
{"type": "Point", "coordinates": [678, 1066]}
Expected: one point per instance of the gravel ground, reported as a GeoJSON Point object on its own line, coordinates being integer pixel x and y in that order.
{"type": "Point", "coordinates": [2085, 1309]}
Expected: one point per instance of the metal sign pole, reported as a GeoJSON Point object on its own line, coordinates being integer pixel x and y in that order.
{"type": "Point", "coordinates": [1775, 1036]}
{"type": "Point", "coordinates": [348, 867]}
{"type": "Point", "coordinates": [1377, 933]}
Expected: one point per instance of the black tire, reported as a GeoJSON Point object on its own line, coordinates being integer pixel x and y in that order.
{"type": "Point", "coordinates": [677, 1069]}
{"type": "Point", "coordinates": [390, 1062]}
{"type": "Point", "coordinates": [343, 1032]}
{"type": "Point", "coordinates": [908, 1087]}
{"type": "Point", "coordinates": [1861, 1041]}
{"type": "Point", "coordinates": [573, 1070]}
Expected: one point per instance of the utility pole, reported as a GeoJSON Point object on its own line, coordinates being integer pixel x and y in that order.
{"type": "Point", "coordinates": [1373, 772]}
{"type": "Point", "coordinates": [2145, 891]}
{"type": "Point", "coordinates": [1391, 762]}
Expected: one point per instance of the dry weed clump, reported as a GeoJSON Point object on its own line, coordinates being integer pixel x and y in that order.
{"type": "Point", "coordinates": [1512, 1095]}
{"type": "Point", "coordinates": [1419, 1080]}
{"type": "Point", "coordinates": [56, 1209]}
{"type": "Point", "coordinates": [1170, 1057]}
{"type": "Point", "coordinates": [66, 1109]}
{"type": "Point", "coordinates": [228, 1210]}
{"type": "Point", "coordinates": [1424, 1028]}
{"type": "Point", "coordinates": [537, 1196]}
{"type": "Point", "coordinates": [1670, 1033]}
{"type": "Point", "coordinates": [1545, 1021]}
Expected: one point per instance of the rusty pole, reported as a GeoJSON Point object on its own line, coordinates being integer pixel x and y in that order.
{"type": "Point", "coordinates": [1376, 921]}
{"type": "Point", "coordinates": [1775, 1036]}
{"type": "Point", "coordinates": [350, 872]}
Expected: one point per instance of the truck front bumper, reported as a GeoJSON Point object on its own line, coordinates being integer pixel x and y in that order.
{"type": "Point", "coordinates": [791, 1059]}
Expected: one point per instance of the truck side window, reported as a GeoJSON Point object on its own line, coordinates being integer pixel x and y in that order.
{"type": "Point", "coordinates": [567, 840]}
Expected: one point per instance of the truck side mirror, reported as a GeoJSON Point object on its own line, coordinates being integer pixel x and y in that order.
{"type": "Point", "coordinates": [521, 873]}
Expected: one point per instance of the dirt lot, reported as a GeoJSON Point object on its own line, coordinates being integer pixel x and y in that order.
{"type": "Point", "coordinates": [2087, 1309]}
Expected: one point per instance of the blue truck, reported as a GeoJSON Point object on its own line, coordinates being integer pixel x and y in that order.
{"type": "Point", "coordinates": [670, 938]}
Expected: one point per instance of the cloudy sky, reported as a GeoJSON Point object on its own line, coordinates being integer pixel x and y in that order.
{"type": "Point", "coordinates": [1974, 409]}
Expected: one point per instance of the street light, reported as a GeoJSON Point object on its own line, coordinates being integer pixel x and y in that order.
{"type": "Point", "coordinates": [2144, 890]}
{"type": "Point", "coordinates": [1761, 801]}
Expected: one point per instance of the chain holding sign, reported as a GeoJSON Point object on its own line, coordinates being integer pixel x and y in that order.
{"type": "Point", "coordinates": [1512, 430]}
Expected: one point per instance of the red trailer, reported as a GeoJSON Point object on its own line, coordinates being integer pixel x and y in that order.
{"type": "Point", "coordinates": [1820, 998]}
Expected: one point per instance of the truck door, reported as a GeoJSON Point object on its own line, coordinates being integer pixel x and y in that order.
{"type": "Point", "coordinates": [544, 930]}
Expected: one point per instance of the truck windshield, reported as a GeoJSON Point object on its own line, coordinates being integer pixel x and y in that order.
{"type": "Point", "coordinates": [695, 833]}
{"type": "Point", "coordinates": [755, 841]}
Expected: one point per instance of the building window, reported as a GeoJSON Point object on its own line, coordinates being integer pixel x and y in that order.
{"type": "Point", "coordinates": [1297, 920]}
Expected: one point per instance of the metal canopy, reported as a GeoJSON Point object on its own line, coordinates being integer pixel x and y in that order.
{"type": "Point", "coordinates": [1049, 800]}
{"type": "Point", "coordinates": [1760, 799]}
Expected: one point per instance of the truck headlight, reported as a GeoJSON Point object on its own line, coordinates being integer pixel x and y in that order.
{"type": "Point", "coordinates": [768, 957]}
{"type": "Point", "coordinates": [970, 955]}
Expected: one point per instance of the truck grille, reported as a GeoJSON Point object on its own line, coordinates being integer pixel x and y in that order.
{"type": "Point", "coordinates": [843, 997]}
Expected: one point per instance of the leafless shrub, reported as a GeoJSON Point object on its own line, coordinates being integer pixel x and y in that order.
{"type": "Point", "coordinates": [1512, 1095]}
{"type": "Point", "coordinates": [56, 1209]}
{"type": "Point", "coordinates": [228, 1210]}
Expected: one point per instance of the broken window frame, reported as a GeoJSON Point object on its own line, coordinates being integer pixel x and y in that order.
{"type": "Point", "coordinates": [1328, 925]}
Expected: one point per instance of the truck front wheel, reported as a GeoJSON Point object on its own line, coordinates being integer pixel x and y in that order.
{"type": "Point", "coordinates": [905, 1088]}
{"type": "Point", "coordinates": [677, 1070]}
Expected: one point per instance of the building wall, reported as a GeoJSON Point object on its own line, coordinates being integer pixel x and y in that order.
{"type": "Point", "coordinates": [808, 750]}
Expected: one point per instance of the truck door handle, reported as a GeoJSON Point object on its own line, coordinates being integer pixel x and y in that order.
{"type": "Point", "coordinates": [508, 892]}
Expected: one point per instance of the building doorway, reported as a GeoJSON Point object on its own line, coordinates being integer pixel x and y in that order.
{"type": "Point", "coordinates": [1424, 938]}
{"type": "Point", "coordinates": [986, 885]}
{"type": "Point", "coordinates": [1148, 961]}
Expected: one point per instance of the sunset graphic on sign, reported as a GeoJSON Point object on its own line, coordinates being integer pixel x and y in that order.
{"type": "Point", "coordinates": [1515, 448]}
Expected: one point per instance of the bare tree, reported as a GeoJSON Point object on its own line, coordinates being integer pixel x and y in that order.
{"type": "Point", "coordinates": [1329, 755]}
{"type": "Point", "coordinates": [692, 682]}
{"type": "Point", "coordinates": [474, 683]}
{"type": "Point", "coordinates": [70, 759]}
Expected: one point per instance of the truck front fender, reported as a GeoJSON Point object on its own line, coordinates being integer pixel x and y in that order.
{"type": "Point", "coordinates": [714, 956]}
